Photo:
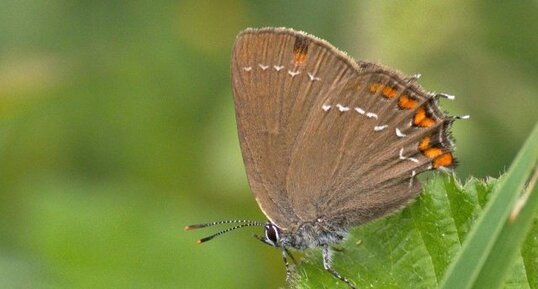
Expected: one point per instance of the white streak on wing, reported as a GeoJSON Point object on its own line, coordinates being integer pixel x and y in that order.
{"type": "Point", "coordinates": [413, 174]}
{"type": "Point", "coordinates": [326, 107]}
{"type": "Point", "coordinates": [263, 67]}
{"type": "Point", "coordinates": [413, 160]}
{"type": "Point", "coordinates": [401, 154]}
{"type": "Point", "coordinates": [406, 158]}
{"type": "Point", "coordinates": [278, 68]}
{"type": "Point", "coordinates": [247, 68]}
{"type": "Point", "coordinates": [380, 127]}
{"type": "Point", "coordinates": [371, 115]}
{"type": "Point", "coordinates": [342, 108]}
{"type": "Point", "coordinates": [312, 77]}
{"type": "Point", "coordinates": [360, 110]}
{"type": "Point", "coordinates": [399, 133]}
{"type": "Point", "coordinates": [293, 73]}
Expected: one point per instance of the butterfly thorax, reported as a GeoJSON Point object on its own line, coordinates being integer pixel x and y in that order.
{"type": "Point", "coordinates": [314, 234]}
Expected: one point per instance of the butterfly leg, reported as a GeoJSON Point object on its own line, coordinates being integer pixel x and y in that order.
{"type": "Point", "coordinates": [290, 255]}
{"type": "Point", "coordinates": [327, 265]}
{"type": "Point", "coordinates": [285, 254]}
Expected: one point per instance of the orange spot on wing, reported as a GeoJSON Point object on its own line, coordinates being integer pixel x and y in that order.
{"type": "Point", "coordinates": [300, 49]}
{"type": "Point", "coordinates": [375, 87]}
{"type": "Point", "coordinates": [433, 152]}
{"type": "Point", "coordinates": [427, 122]}
{"type": "Point", "coordinates": [424, 143]}
{"type": "Point", "coordinates": [406, 102]}
{"type": "Point", "coordinates": [299, 57]}
{"type": "Point", "coordinates": [420, 115]}
{"type": "Point", "coordinates": [421, 119]}
{"type": "Point", "coordinates": [389, 92]}
{"type": "Point", "coordinates": [444, 160]}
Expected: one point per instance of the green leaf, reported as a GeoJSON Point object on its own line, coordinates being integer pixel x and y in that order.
{"type": "Point", "coordinates": [414, 247]}
{"type": "Point", "coordinates": [494, 242]}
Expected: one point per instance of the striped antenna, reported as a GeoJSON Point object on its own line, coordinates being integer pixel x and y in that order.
{"type": "Point", "coordinates": [203, 240]}
{"type": "Point", "coordinates": [199, 226]}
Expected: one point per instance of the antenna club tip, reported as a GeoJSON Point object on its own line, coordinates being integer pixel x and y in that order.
{"type": "Point", "coordinates": [192, 227]}
{"type": "Point", "coordinates": [199, 242]}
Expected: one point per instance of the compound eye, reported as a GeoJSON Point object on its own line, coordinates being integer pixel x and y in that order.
{"type": "Point", "coordinates": [271, 234]}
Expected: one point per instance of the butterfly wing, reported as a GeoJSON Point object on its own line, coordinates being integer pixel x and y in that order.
{"type": "Point", "coordinates": [360, 158]}
{"type": "Point", "coordinates": [318, 130]}
{"type": "Point", "coordinates": [277, 84]}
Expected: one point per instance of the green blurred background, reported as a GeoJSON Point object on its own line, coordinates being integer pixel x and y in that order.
{"type": "Point", "coordinates": [117, 125]}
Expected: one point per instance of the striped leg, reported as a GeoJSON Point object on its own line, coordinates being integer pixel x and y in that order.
{"type": "Point", "coordinates": [329, 268]}
{"type": "Point", "coordinates": [285, 253]}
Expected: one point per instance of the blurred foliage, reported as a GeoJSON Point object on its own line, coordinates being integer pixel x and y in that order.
{"type": "Point", "coordinates": [117, 124]}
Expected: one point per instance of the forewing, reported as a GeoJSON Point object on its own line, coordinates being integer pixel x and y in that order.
{"type": "Point", "coordinates": [280, 78]}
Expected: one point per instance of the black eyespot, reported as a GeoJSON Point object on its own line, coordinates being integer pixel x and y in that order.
{"type": "Point", "coordinates": [271, 234]}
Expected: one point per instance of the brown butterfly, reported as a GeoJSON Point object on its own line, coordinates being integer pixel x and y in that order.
{"type": "Point", "coordinates": [329, 143]}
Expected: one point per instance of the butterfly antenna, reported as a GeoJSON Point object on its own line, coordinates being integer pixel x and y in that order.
{"type": "Point", "coordinates": [203, 240]}
{"type": "Point", "coordinates": [199, 226]}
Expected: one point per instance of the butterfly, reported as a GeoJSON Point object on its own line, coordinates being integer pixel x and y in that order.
{"type": "Point", "coordinates": [329, 143]}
